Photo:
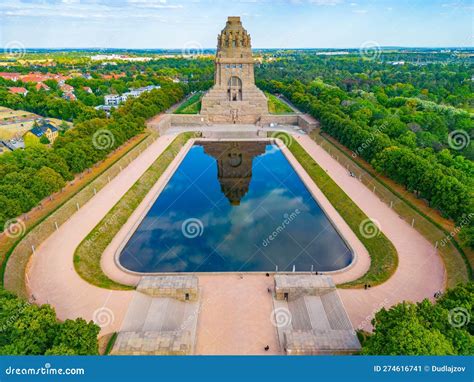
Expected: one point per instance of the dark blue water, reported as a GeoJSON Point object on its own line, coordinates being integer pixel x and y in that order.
{"type": "Point", "coordinates": [235, 206]}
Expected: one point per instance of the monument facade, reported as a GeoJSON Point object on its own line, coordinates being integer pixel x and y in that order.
{"type": "Point", "coordinates": [234, 98]}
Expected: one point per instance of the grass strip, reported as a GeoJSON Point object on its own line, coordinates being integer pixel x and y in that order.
{"type": "Point", "coordinates": [383, 255]}
{"type": "Point", "coordinates": [88, 254]}
{"type": "Point", "coordinates": [191, 106]}
{"type": "Point", "coordinates": [111, 343]}
{"type": "Point", "coordinates": [277, 106]}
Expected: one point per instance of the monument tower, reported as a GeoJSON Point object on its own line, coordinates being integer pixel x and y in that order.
{"type": "Point", "coordinates": [234, 98]}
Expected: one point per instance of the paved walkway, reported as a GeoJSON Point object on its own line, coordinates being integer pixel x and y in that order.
{"type": "Point", "coordinates": [51, 275]}
{"type": "Point", "coordinates": [420, 272]}
{"type": "Point", "coordinates": [234, 316]}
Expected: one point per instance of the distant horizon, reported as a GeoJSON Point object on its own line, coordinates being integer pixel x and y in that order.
{"type": "Point", "coordinates": [253, 48]}
{"type": "Point", "coordinates": [273, 24]}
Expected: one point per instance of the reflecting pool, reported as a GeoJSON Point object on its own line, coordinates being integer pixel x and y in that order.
{"type": "Point", "coordinates": [235, 207]}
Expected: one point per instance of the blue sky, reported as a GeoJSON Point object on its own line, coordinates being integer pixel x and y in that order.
{"type": "Point", "coordinates": [272, 23]}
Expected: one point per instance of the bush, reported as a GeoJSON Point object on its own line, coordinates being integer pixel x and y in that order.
{"type": "Point", "coordinates": [27, 329]}
{"type": "Point", "coordinates": [443, 328]}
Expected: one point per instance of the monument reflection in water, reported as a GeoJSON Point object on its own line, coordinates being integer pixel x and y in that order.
{"type": "Point", "coordinates": [235, 207]}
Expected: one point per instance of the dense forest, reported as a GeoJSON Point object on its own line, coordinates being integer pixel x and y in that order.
{"type": "Point", "coordinates": [410, 131]}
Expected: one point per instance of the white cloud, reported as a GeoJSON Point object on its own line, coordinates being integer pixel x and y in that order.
{"type": "Point", "coordinates": [325, 2]}
{"type": "Point", "coordinates": [75, 9]}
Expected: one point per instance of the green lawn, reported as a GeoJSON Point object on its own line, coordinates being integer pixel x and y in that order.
{"type": "Point", "coordinates": [111, 343]}
{"type": "Point", "coordinates": [384, 259]}
{"type": "Point", "coordinates": [277, 106]}
{"type": "Point", "coordinates": [88, 253]}
{"type": "Point", "coordinates": [191, 106]}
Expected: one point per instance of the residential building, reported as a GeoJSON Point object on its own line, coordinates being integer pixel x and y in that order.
{"type": "Point", "coordinates": [115, 99]}
{"type": "Point", "coordinates": [113, 76]}
{"type": "Point", "coordinates": [69, 96]}
{"type": "Point", "coordinates": [18, 90]}
{"type": "Point", "coordinates": [65, 88]}
{"type": "Point", "coordinates": [112, 100]}
{"type": "Point", "coordinates": [138, 91]}
{"type": "Point", "coordinates": [10, 76]}
{"type": "Point", "coordinates": [35, 77]}
{"type": "Point", "coordinates": [15, 144]}
{"type": "Point", "coordinates": [68, 91]}
{"type": "Point", "coordinates": [41, 85]}
{"type": "Point", "coordinates": [46, 129]}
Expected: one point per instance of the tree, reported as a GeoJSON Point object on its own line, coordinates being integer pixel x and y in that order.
{"type": "Point", "coordinates": [466, 235]}
{"type": "Point", "coordinates": [29, 329]}
{"type": "Point", "coordinates": [398, 331]}
{"type": "Point", "coordinates": [79, 336]}
{"type": "Point", "coordinates": [45, 182]}
{"type": "Point", "coordinates": [425, 328]}
{"type": "Point", "coordinates": [44, 140]}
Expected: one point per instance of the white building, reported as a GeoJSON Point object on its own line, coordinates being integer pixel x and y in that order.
{"type": "Point", "coordinates": [115, 99]}
{"type": "Point", "coordinates": [121, 57]}
{"type": "Point", "coordinates": [112, 99]}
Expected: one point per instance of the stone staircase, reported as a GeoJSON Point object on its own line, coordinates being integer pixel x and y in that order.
{"type": "Point", "coordinates": [218, 109]}
{"type": "Point", "coordinates": [161, 318]}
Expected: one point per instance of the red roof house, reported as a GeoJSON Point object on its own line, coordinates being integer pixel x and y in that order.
{"type": "Point", "coordinates": [17, 90]}
{"type": "Point", "coordinates": [10, 76]}
{"type": "Point", "coordinates": [41, 85]}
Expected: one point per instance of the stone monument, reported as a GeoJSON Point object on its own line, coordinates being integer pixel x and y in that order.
{"type": "Point", "coordinates": [234, 98]}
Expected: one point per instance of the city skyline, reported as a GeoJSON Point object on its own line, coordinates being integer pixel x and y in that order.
{"type": "Point", "coordinates": [175, 24]}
